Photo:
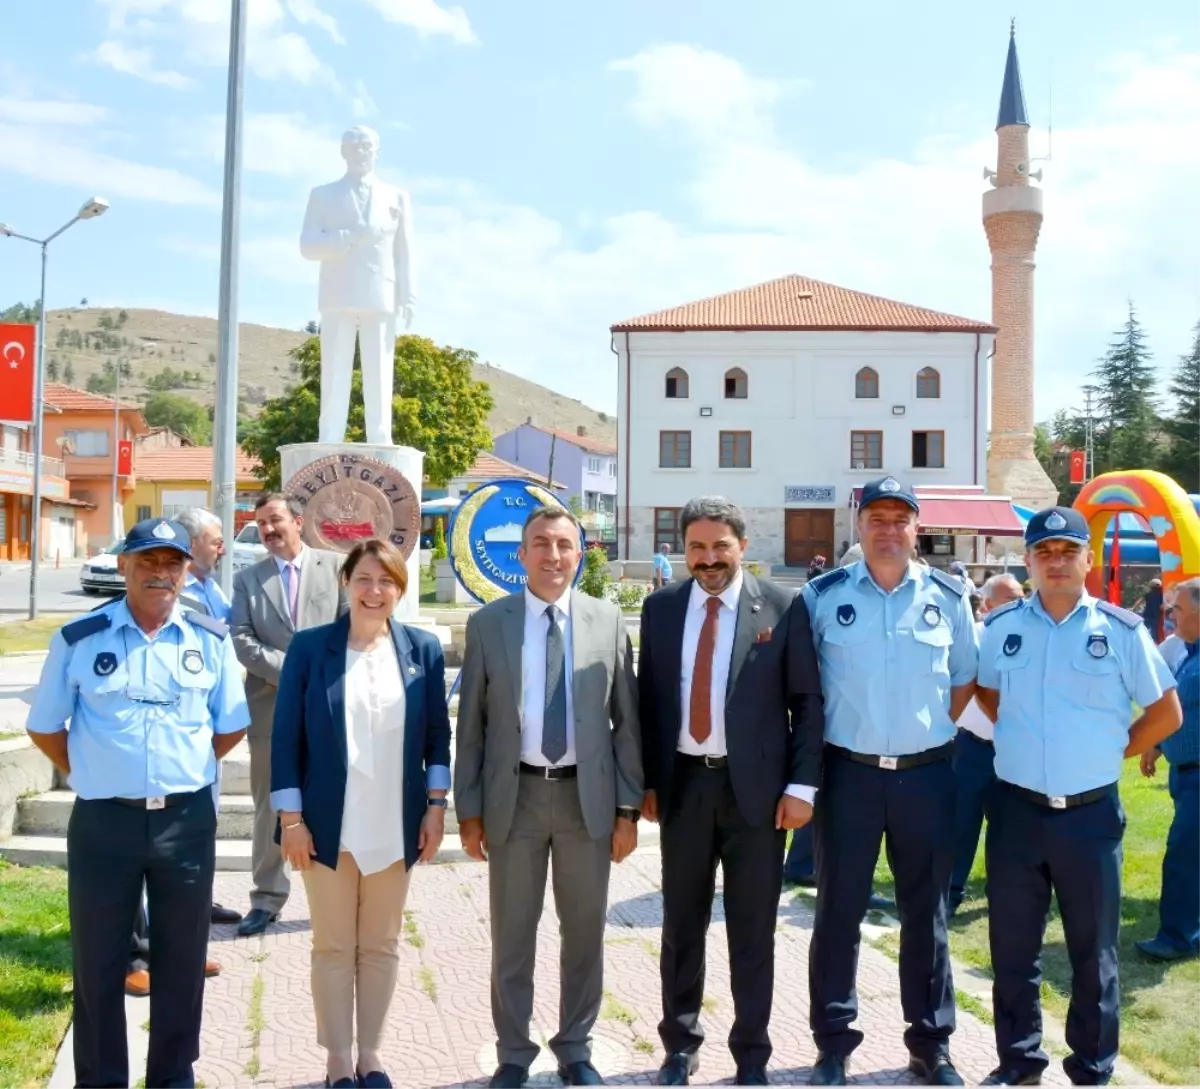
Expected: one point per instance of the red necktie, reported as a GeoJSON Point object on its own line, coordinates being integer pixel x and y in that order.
{"type": "Point", "coordinates": [700, 706]}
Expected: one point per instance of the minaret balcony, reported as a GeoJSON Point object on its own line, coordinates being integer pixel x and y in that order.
{"type": "Point", "coordinates": [1012, 198]}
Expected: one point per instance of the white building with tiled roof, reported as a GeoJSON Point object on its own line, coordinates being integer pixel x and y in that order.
{"type": "Point", "coordinates": [786, 397]}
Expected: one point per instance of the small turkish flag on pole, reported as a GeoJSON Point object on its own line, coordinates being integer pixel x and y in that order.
{"type": "Point", "coordinates": [1078, 467]}
{"type": "Point", "coordinates": [18, 358]}
{"type": "Point", "coordinates": [124, 457]}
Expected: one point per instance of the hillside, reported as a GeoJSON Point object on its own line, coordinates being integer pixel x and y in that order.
{"type": "Point", "coordinates": [80, 341]}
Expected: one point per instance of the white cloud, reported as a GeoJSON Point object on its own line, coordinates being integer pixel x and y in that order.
{"type": "Point", "coordinates": [362, 105]}
{"type": "Point", "coordinates": [25, 111]}
{"type": "Point", "coordinates": [427, 18]}
{"type": "Point", "coordinates": [306, 12]}
{"type": "Point", "coordinates": [285, 144]}
{"type": "Point", "coordinates": [138, 62]}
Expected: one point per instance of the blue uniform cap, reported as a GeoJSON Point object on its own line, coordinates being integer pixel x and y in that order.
{"type": "Point", "coordinates": [157, 533]}
{"type": "Point", "coordinates": [1057, 524]}
{"type": "Point", "coordinates": [887, 487]}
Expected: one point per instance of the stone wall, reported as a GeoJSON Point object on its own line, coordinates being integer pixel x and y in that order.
{"type": "Point", "coordinates": [23, 770]}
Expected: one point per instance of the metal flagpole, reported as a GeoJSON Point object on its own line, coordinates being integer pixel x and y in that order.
{"type": "Point", "coordinates": [39, 393]}
{"type": "Point", "coordinates": [116, 447]}
{"type": "Point", "coordinates": [225, 413]}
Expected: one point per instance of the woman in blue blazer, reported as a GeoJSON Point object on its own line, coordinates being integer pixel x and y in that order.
{"type": "Point", "coordinates": [360, 767]}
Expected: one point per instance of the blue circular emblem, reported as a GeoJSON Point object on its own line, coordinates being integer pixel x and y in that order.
{"type": "Point", "coordinates": [1098, 646]}
{"type": "Point", "coordinates": [105, 663]}
{"type": "Point", "coordinates": [845, 615]}
{"type": "Point", "coordinates": [193, 661]}
{"type": "Point", "coordinates": [485, 533]}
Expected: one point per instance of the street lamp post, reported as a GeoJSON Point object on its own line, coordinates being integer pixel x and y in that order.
{"type": "Point", "coordinates": [97, 206]}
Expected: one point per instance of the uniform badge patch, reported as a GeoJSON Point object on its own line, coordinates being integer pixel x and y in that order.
{"type": "Point", "coordinates": [845, 615]}
{"type": "Point", "coordinates": [163, 532]}
{"type": "Point", "coordinates": [1056, 522]}
{"type": "Point", "coordinates": [105, 663]}
{"type": "Point", "coordinates": [193, 661]}
{"type": "Point", "coordinates": [889, 484]}
{"type": "Point", "coordinates": [1012, 644]}
{"type": "Point", "coordinates": [1098, 646]}
{"type": "Point", "coordinates": [932, 615]}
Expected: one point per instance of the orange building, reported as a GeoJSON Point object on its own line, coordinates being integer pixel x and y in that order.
{"type": "Point", "coordinates": [62, 529]}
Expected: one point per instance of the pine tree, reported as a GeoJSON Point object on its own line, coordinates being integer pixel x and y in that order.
{"type": "Point", "coordinates": [69, 373]}
{"type": "Point", "coordinates": [52, 369]}
{"type": "Point", "coordinates": [1182, 457]}
{"type": "Point", "coordinates": [1126, 437]}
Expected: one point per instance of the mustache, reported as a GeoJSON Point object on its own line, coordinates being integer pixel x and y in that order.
{"type": "Point", "coordinates": [158, 584]}
{"type": "Point", "coordinates": [711, 567]}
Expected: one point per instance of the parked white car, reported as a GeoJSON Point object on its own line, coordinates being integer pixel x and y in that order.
{"type": "Point", "coordinates": [248, 548]}
{"type": "Point", "coordinates": [100, 575]}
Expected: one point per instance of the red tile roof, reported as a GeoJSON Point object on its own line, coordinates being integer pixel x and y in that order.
{"type": "Point", "coordinates": [189, 463]}
{"type": "Point", "coordinates": [489, 467]}
{"type": "Point", "coordinates": [796, 302]}
{"type": "Point", "coordinates": [584, 442]}
{"type": "Point", "coordinates": [67, 399]}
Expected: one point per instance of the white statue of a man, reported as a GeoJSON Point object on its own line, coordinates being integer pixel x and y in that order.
{"type": "Point", "coordinates": [360, 229]}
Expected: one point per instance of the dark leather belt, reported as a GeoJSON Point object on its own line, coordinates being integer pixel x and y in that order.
{"type": "Point", "coordinates": [555, 775]}
{"type": "Point", "coordinates": [1061, 801]}
{"type": "Point", "coordinates": [163, 801]}
{"type": "Point", "coordinates": [975, 737]}
{"type": "Point", "coordinates": [702, 761]}
{"type": "Point", "coordinates": [1188, 767]}
{"type": "Point", "coordinates": [897, 763]}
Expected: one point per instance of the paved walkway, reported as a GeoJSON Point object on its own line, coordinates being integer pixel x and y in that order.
{"type": "Point", "coordinates": [258, 1019]}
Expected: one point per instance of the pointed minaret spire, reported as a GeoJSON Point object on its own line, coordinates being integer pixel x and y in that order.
{"type": "Point", "coordinates": [1012, 94]}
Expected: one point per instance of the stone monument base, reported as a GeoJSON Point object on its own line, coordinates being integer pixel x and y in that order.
{"type": "Point", "coordinates": [1023, 480]}
{"type": "Point", "coordinates": [405, 460]}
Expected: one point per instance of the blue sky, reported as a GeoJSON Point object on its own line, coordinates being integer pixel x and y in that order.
{"type": "Point", "coordinates": [571, 165]}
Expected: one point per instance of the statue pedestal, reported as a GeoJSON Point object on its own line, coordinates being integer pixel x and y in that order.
{"type": "Point", "coordinates": [345, 466]}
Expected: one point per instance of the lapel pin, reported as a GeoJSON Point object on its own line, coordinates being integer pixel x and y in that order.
{"type": "Point", "coordinates": [755, 608]}
{"type": "Point", "coordinates": [412, 669]}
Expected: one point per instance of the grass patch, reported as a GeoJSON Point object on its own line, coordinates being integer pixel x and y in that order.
{"type": "Point", "coordinates": [614, 1010]}
{"type": "Point", "coordinates": [428, 983]}
{"type": "Point", "coordinates": [428, 587]}
{"type": "Point", "coordinates": [412, 933]}
{"type": "Point", "coordinates": [646, 1047]}
{"type": "Point", "coordinates": [30, 634]}
{"type": "Point", "coordinates": [1160, 1032]}
{"type": "Point", "coordinates": [972, 1005]}
{"type": "Point", "coordinates": [708, 1004]}
{"type": "Point", "coordinates": [35, 971]}
{"type": "Point", "coordinates": [256, 1021]}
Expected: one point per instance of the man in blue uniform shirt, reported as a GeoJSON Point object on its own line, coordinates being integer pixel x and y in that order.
{"type": "Point", "coordinates": [154, 697]}
{"type": "Point", "coordinates": [207, 547]}
{"type": "Point", "coordinates": [897, 649]}
{"type": "Point", "coordinates": [1178, 934]}
{"type": "Point", "coordinates": [1058, 673]}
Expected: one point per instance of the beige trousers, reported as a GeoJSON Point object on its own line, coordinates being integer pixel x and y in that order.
{"type": "Point", "coordinates": [356, 923]}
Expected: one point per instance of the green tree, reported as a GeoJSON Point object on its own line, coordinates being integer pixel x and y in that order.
{"type": "Point", "coordinates": [69, 373]}
{"type": "Point", "coordinates": [595, 578]}
{"type": "Point", "coordinates": [1127, 435]}
{"type": "Point", "coordinates": [122, 318]}
{"type": "Point", "coordinates": [181, 414]}
{"type": "Point", "coordinates": [1181, 458]}
{"type": "Point", "coordinates": [102, 383]}
{"type": "Point", "coordinates": [439, 539]}
{"type": "Point", "coordinates": [52, 369]}
{"type": "Point", "coordinates": [21, 314]}
{"type": "Point", "coordinates": [437, 407]}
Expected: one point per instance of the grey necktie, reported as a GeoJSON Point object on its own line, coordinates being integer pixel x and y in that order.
{"type": "Point", "coordinates": [554, 721]}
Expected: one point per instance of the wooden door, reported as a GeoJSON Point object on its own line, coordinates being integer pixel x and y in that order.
{"type": "Point", "coordinates": [807, 533]}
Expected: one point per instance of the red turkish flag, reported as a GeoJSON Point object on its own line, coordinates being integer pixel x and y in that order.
{"type": "Point", "coordinates": [1078, 467]}
{"type": "Point", "coordinates": [18, 358]}
{"type": "Point", "coordinates": [124, 457]}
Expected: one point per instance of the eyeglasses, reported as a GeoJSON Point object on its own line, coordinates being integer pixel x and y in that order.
{"type": "Point", "coordinates": [135, 696]}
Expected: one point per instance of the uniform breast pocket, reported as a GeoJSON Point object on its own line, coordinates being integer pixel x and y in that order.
{"type": "Point", "coordinates": [102, 689]}
{"type": "Point", "coordinates": [847, 651]}
{"type": "Point", "coordinates": [1096, 682]}
{"type": "Point", "coordinates": [1014, 674]}
{"type": "Point", "coordinates": [193, 690]}
{"type": "Point", "coordinates": [934, 647]}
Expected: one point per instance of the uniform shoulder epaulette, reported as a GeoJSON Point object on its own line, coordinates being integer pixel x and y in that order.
{"type": "Point", "coordinates": [1127, 617]}
{"type": "Point", "coordinates": [84, 626]}
{"type": "Point", "coordinates": [1008, 607]}
{"type": "Point", "coordinates": [829, 580]}
{"type": "Point", "coordinates": [218, 627]}
{"type": "Point", "coordinates": [949, 582]}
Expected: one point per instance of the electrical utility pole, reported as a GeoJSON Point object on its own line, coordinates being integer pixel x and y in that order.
{"type": "Point", "coordinates": [1089, 434]}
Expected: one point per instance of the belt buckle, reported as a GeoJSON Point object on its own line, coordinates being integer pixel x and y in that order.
{"type": "Point", "coordinates": [158, 802]}
{"type": "Point", "coordinates": [1058, 803]}
{"type": "Point", "coordinates": [712, 762]}
{"type": "Point", "coordinates": [888, 763]}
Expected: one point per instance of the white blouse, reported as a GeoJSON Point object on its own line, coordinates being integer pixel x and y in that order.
{"type": "Point", "coordinates": [373, 812]}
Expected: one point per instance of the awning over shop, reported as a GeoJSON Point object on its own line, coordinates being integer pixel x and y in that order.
{"type": "Point", "coordinates": [963, 511]}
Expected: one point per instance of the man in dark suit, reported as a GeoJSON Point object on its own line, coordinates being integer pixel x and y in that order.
{"type": "Point", "coordinates": [730, 706]}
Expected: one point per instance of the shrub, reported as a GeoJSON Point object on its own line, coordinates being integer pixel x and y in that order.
{"type": "Point", "coordinates": [595, 579]}
{"type": "Point", "coordinates": [439, 540]}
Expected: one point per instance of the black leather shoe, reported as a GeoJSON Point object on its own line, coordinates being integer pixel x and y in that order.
{"type": "Point", "coordinates": [509, 1076]}
{"type": "Point", "coordinates": [581, 1073]}
{"type": "Point", "coordinates": [1000, 1076]}
{"type": "Point", "coordinates": [751, 1074]}
{"type": "Point", "coordinates": [937, 1071]}
{"type": "Point", "coordinates": [222, 914]}
{"type": "Point", "coordinates": [829, 1069]}
{"type": "Point", "coordinates": [256, 921]}
{"type": "Point", "coordinates": [678, 1068]}
{"type": "Point", "coordinates": [341, 1083]}
{"type": "Point", "coordinates": [373, 1079]}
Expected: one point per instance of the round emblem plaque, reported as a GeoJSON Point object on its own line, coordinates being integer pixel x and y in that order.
{"type": "Point", "coordinates": [348, 498]}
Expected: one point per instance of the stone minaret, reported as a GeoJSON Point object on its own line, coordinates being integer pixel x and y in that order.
{"type": "Point", "coordinates": [1012, 217]}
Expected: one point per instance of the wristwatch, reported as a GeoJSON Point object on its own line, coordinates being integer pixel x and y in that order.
{"type": "Point", "coordinates": [439, 802]}
{"type": "Point", "coordinates": [629, 813]}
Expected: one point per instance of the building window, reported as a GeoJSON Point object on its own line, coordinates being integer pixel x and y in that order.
{"type": "Point", "coordinates": [612, 467]}
{"type": "Point", "coordinates": [87, 444]}
{"type": "Point", "coordinates": [143, 513]}
{"type": "Point", "coordinates": [866, 384]}
{"type": "Point", "coordinates": [674, 449]}
{"type": "Point", "coordinates": [929, 449]}
{"type": "Point", "coordinates": [737, 385]}
{"type": "Point", "coordinates": [735, 450]}
{"type": "Point", "coordinates": [929, 383]}
{"type": "Point", "coordinates": [677, 384]}
{"type": "Point", "coordinates": [866, 449]}
{"type": "Point", "coordinates": [593, 465]}
{"type": "Point", "coordinates": [666, 529]}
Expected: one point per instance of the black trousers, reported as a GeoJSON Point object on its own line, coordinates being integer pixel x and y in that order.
{"type": "Point", "coordinates": [703, 828]}
{"type": "Point", "coordinates": [1076, 854]}
{"type": "Point", "coordinates": [913, 813]}
{"type": "Point", "coordinates": [112, 850]}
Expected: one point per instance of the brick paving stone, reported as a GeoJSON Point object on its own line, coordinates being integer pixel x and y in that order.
{"type": "Point", "coordinates": [439, 1031]}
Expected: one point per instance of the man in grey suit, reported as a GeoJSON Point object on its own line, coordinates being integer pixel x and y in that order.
{"type": "Point", "coordinates": [295, 587]}
{"type": "Point", "coordinates": [548, 767]}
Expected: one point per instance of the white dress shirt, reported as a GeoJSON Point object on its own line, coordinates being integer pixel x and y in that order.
{"type": "Point", "coordinates": [373, 811]}
{"type": "Point", "coordinates": [298, 562]}
{"type": "Point", "coordinates": [973, 720]}
{"type": "Point", "coordinates": [533, 679]}
{"type": "Point", "coordinates": [715, 744]}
